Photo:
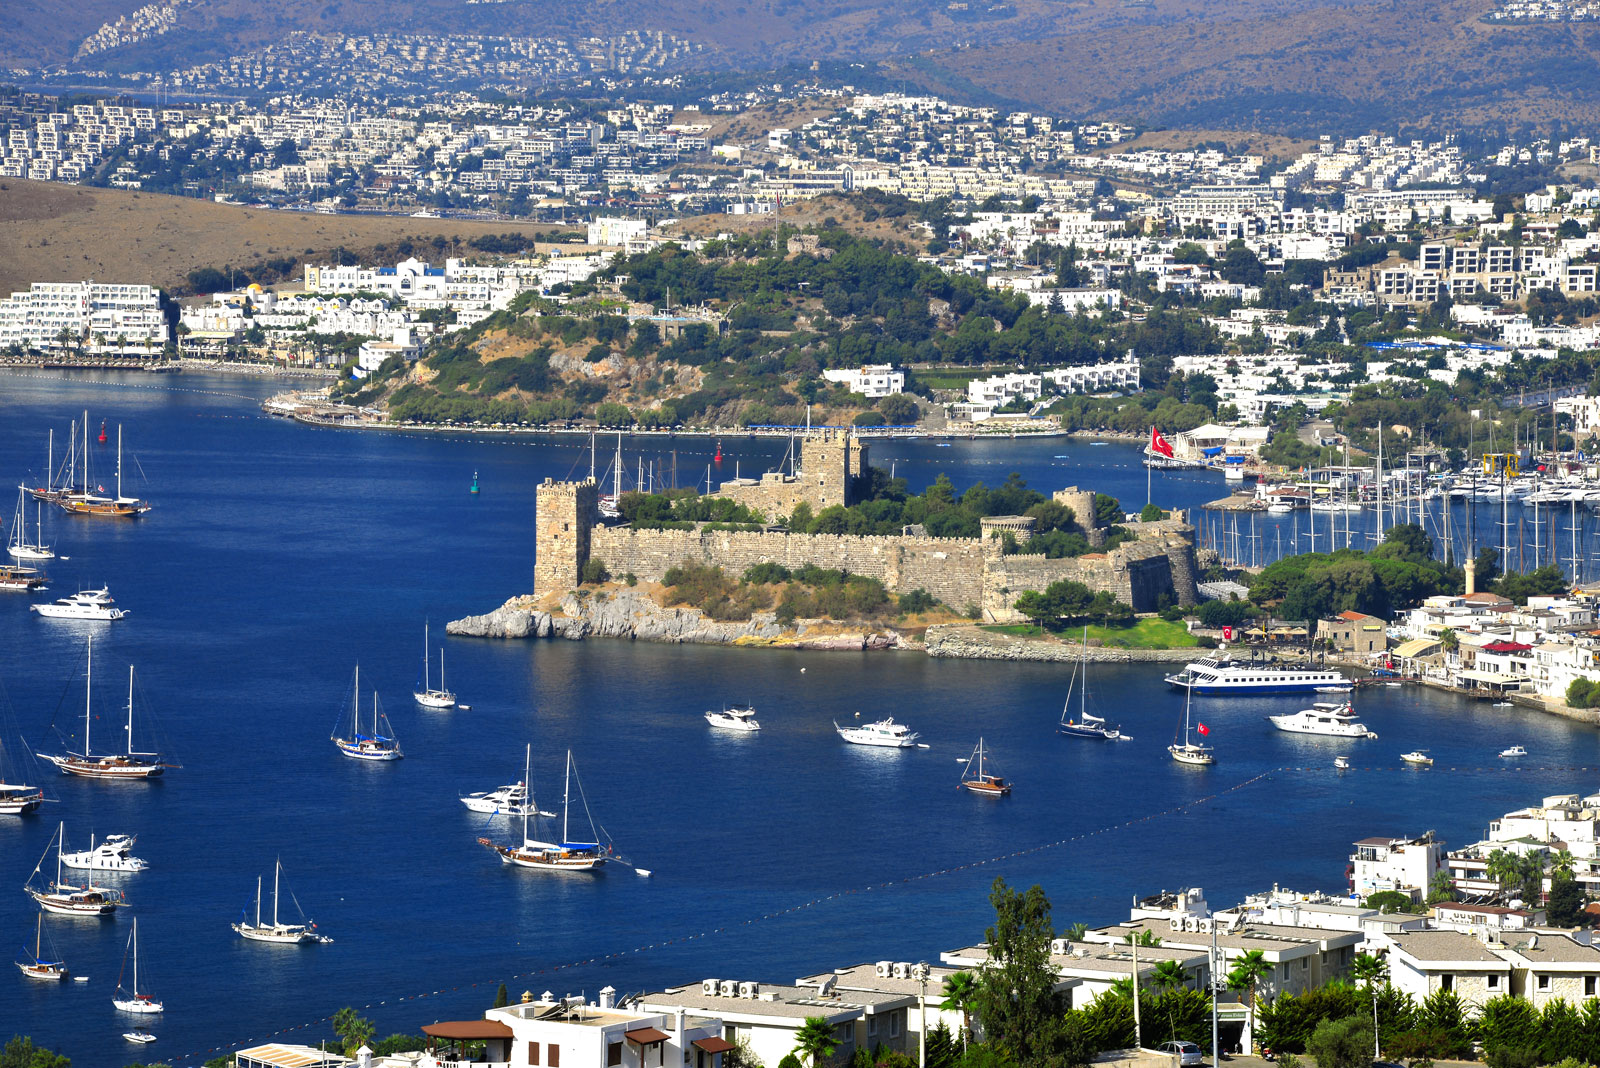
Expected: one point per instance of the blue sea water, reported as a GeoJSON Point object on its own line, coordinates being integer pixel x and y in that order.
{"type": "Point", "coordinates": [277, 556]}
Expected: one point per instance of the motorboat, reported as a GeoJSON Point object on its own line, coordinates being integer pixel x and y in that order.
{"type": "Point", "coordinates": [885, 733]}
{"type": "Point", "coordinates": [1086, 724]}
{"type": "Point", "coordinates": [1325, 718]}
{"type": "Point", "coordinates": [426, 694]}
{"type": "Point", "coordinates": [1335, 689]}
{"type": "Point", "coordinates": [35, 966]}
{"type": "Point", "coordinates": [507, 800]}
{"type": "Point", "coordinates": [1185, 751]}
{"type": "Point", "coordinates": [1503, 704]}
{"type": "Point", "coordinates": [562, 855]}
{"type": "Point", "coordinates": [1341, 763]}
{"type": "Point", "coordinates": [377, 746]}
{"type": "Point", "coordinates": [734, 718]}
{"type": "Point", "coordinates": [85, 604]}
{"type": "Point", "coordinates": [979, 780]}
{"type": "Point", "coordinates": [141, 1037]}
{"type": "Point", "coordinates": [1418, 757]}
{"type": "Point", "coordinates": [1514, 751]}
{"type": "Point", "coordinates": [277, 932]}
{"type": "Point", "coordinates": [22, 579]}
{"type": "Point", "coordinates": [131, 1000]}
{"type": "Point", "coordinates": [113, 854]}
{"type": "Point", "coordinates": [64, 899]}
{"type": "Point", "coordinates": [127, 765]}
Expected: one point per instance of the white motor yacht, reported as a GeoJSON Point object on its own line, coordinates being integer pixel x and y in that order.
{"type": "Point", "coordinates": [885, 733]}
{"type": "Point", "coordinates": [85, 604]}
{"type": "Point", "coordinates": [141, 1037]}
{"type": "Point", "coordinates": [1418, 757]}
{"type": "Point", "coordinates": [1514, 751]}
{"type": "Point", "coordinates": [1341, 763]}
{"type": "Point", "coordinates": [509, 800]}
{"type": "Point", "coordinates": [113, 854]}
{"type": "Point", "coordinates": [734, 718]}
{"type": "Point", "coordinates": [1332, 720]}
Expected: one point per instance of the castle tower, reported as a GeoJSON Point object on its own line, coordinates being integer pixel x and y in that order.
{"type": "Point", "coordinates": [830, 463]}
{"type": "Point", "coordinates": [564, 514]}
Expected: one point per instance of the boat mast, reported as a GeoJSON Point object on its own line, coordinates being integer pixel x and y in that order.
{"type": "Point", "coordinates": [130, 710]}
{"type": "Point", "coordinates": [88, 688]}
{"type": "Point", "coordinates": [527, 789]}
{"type": "Point", "coordinates": [566, 800]}
{"type": "Point", "coordinates": [277, 872]}
{"type": "Point", "coordinates": [119, 461]}
{"type": "Point", "coordinates": [136, 960]}
{"type": "Point", "coordinates": [426, 682]}
{"type": "Point", "coordinates": [86, 452]}
{"type": "Point", "coordinates": [258, 901]}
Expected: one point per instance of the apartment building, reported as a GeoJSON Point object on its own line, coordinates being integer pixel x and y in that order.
{"type": "Point", "coordinates": [95, 317]}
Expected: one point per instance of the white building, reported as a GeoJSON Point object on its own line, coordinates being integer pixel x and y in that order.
{"type": "Point", "coordinates": [96, 317]}
{"type": "Point", "coordinates": [874, 380]}
{"type": "Point", "coordinates": [611, 231]}
{"type": "Point", "coordinates": [1406, 865]}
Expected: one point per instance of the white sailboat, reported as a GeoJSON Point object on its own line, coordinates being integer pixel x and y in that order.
{"type": "Point", "coordinates": [1185, 751]}
{"type": "Point", "coordinates": [129, 764]}
{"type": "Point", "coordinates": [1087, 725]}
{"type": "Point", "coordinates": [19, 546]}
{"type": "Point", "coordinates": [64, 899]}
{"type": "Point", "coordinates": [374, 746]}
{"type": "Point", "coordinates": [132, 1000]}
{"type": "Point", "coordinates": [277, 932]}
{"type": "Point", "coordinates": [34, 965]}
{"type": "Point", "coordinates": [982, 782]}
{"type": "Point", "coordinates": [427, 696]}
{"type": "Point", "coordinates": [565, 855]}
{"type": "Point", "coordinates": [17, 797]}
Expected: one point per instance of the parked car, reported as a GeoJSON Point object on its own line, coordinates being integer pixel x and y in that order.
{"type": "Point", "coordinates": [1187, 1053]}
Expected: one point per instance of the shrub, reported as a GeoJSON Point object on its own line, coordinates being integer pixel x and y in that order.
{"type": "Point", "coordinates": [1345, 1043]}
{"type": "Point", "coordinates": [594, 572]}
{"type": "Point", "coordinates": [1584, 693]}
{"type": "Point", "coordinates": [918, 600]}
{"type": "Point", "coordinates": [631, 579]}
{"type": "Point", "coordinates": [767, 574]}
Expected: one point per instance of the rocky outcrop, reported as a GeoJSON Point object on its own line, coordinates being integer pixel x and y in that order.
{"type": "Point", "coordinates": [968, 642]}
{"type": "Point", "coordinates": [635, 616]}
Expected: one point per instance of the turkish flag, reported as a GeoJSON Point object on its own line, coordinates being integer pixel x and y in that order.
{"type": "Point", "coordinates": [1203, 729]}
{"type": "Point", "coordinates": [1159, 444]}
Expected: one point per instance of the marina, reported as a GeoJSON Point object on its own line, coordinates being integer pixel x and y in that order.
{"type": "Point", "coordinates": [248, 674]}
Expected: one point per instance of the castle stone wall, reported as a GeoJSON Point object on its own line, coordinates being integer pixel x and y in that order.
{"type": "Point", "coordinates": [564, 517]}
{"type": "Point", "coordinates": [951, 569]}
{"type": "Point", "coordinates": [1136, 573]}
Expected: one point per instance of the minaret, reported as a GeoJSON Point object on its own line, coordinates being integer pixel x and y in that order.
{"type": "Point", "coordinates": [1471, 568]}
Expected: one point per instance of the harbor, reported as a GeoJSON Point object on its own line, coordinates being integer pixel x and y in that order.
{"type": "Point", "coordinates": [266, 567]}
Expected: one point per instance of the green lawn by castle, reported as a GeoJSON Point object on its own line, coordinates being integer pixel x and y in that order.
{"type": "Point", "coordinates": [1145, 634]}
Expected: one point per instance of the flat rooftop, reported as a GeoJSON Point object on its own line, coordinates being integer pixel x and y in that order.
{"type": "Point", "coordinates": [774, 1000]}
{"type": "Point", "coordinates": [865, 977]}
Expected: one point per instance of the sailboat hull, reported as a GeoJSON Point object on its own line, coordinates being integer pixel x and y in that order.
{"type": "Point", "coordinates": [120, 768]}
{"type": "Point", "coordinates": [30, 552]}
{"type": "Point", "coordinates": [65, 905]}
{"type": "Point", "coordinates": [20, 804]}
{"type": "Point", "coordinates": [368, 751]}
{"type": "Point", "coordinates": [105, 509]}
{"type": "Point", "coordinates": [435, 698]}
{"type": "Point", "coordinates": [280, 936]}
{"type": "Point", "coordinates": [1193, 755]}
{"type": "Point", "coordinates": [45, 972]}
{"type": "Point", "coordinates": [552, 858]}
{"type": "Point", "coordinates": [141, 1006]}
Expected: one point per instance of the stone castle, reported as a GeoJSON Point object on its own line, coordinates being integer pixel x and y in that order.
{"type": "Point", "coordinates": [964, 573]}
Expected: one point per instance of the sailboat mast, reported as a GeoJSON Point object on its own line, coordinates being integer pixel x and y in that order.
{"type": "Point", "coordinates": [566, 800]}
{"type": "Point", "coordinates": [50, 463]}
{"type": "Point", "coordinates": [277, 873]}
{"type": "Point", "coordinates": [527, 788]}
{"type": "Point", "coordinates": [88, 688]}
{"type": "Point", "coordinates": [135, 959]}
{"type": "Point", "coordinates": [119, 461]}
{"type": "Point", "coordinates": [426, 682]}
{"type": "Point", "coordinates": [130, 711]}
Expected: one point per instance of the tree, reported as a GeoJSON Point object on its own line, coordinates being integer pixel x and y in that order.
{"type": "Point", "coordinates": [960, 989]}
{"type": "Point", "coordinates": [1441, 888]}
{"type": "Point", "coordinates": [1246, 976]}
{"type": "Point", "coordinates": [815, 1040]}
{"type": "Point", "coordinates": [899, 409]}
{"type": "Point", "coordinates": [1367, 969]}
{"type": "Point", "coordinates": [353, 1030]}
{"type": "Point", "coordinates": [1566, 900]}
{"type": "Point", "coordinates": [501, 998]}
{"type": "Point", "coordinates": [1150, 513]}
{"type": "Point", "coordinates": [1389, 901]}
{"type": "Point", "coordinates": [1343, 1043]}
{"type": "Point", "coordinates": [1016, 998]}
{"type": "Point", "coordinates": [20, 1052]}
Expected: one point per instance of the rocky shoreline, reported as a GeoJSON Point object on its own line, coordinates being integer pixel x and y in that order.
{"type": "Point", "coordinates": [968, 641]}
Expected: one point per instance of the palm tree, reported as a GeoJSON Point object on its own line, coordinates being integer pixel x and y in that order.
{"type": "Point", "coordinates": [1561, 863]}
{"type": "Point", "coordinates": [1145, 938]}
{"type": "Point", "coordinates": [1247, 973]}
{"type": "Point", "coordinates": [355, 1030]}
{"type": "Point", "coordinates": [960, 988]}
{"type": "Point", "coordinates": [815, 1040]}
{"type": "Point", "coordinates": [1076, 932]}
{"type": "Point", "coordinates": [1369, 970]}
{"type": "Point", "coordinates": [1502, 867]}
{"type": "Point", "coordinates": [1168, 975]}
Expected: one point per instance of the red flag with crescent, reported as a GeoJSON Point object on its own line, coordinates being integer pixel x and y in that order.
{"type": "Point", "coordinates": [1159, 444]}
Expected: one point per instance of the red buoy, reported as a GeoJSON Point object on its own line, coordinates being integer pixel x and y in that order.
{"type": "Point", "coordinates": [102, 431]}
{"type": "Point", "coordinates": [718, 457]}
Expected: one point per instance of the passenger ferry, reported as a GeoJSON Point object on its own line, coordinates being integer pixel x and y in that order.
{"type": "Point", "coordinates": [1214, 675]}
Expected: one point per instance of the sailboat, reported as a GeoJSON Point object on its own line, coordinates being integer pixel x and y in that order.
{"type": "Point", "coordinates": [1087, 725]}
{"type": "Point", "coordinates": [19, 546]}
{"type": "Point", "coordinates": [65, 899]}
{"type": "Point", "coordinates": [374, 746]}
{"type": "Point", "coordinates": [427, 696]}
{"type": "Point", "coordinates": [283, 934]}
{"type": "Point", "coordinates": [565, 855]}
{"type": "Point", "coordinates": [17, 798]}
{"type": "Point", "coordinates": [1187, 752]}
{"type": "Point", "coordinates": [128, 764]}
{"type": "Point", "coordinates": [132, 1000]}
{"type": "Point", "coordinates": [50, 491]}
{"type": "Point", "coordinates": [36, 966]}
{"type": "Point", "coordinates": [86, 503]}
{"type": "Point", "coordinates": [982, 782]}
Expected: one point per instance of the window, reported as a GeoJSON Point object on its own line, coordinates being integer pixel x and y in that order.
{"type": "Point", "coordinates": [1544, 982]}
{"type": "Point", "coordinates": [552, 1058]}
{"type": "Point", "coordinates": [894, 1024]}
{"type": "Point", "coordinates": [872, 1027]}
{"type": "Point", "coordinates": [1588, 986]}
{"type": "Point", "coordinates": [533, 1055]}
{"type": "Point", "coordinates": [613, 1054]}
{"type": "Point", "coordinates": [1447, 981]}
{"type": "Point", "coordinates": [1494, 982]}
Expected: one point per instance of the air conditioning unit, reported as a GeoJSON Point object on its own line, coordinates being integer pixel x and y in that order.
{"type": "Point", "coordinates": [1060, 946]}
{"type": "Point", "coordinates": [885, 969]}
{"type": "Point", "coordinates": [749, 990]}
{"type": "Point", "coordinates": [708, 987]}
{"type": "Point", "coordinates": [728, 989]}
{"type": "Point", "coordinates": [1176, 923]}
{"type": "Point", "coordinates": [902, 970]}
{"type": "Point", "coordinates": [1203, 925]}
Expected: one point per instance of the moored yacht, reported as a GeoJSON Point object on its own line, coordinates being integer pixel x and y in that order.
{"type": "Point", "coordinates": [35, 966]}
{"type": "Point", "coordinates": [1514, 751]}
{"type": "Point", "coordinates": [1087, 724]}
{"type": "Point", "coordinates": [277, 932]}
{"type": "Point", "coordinates": [426, 694]}
{"type": "Point", "coordinates": [885, 733]}
{"type": "Point", "coordinates": [734, 718]}
{"type": "Point", "coordinates": [360, 746]}
{"type": "Point", "coordinates": [1325, 718]}
{"type": "Point", "coordinates": [510, 800]}
{"type": "Point", "coordinates": [129, 764]}
{"type": "Point", "coordinates": [981, 781]}
{"type": "Point", "coordinates": [22, 579]}
{"type": "Point", "coordinates": [561, 855]}
{"type": "Point", "coordinates": [63, 899]}
{"type": "Point", "coordinates": [113, 854]}
{"type": "Point", "coordinates": [85, 604]}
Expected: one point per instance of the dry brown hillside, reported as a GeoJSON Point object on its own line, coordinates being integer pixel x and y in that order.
{"type": "Point", "coordinates": [53, 233]}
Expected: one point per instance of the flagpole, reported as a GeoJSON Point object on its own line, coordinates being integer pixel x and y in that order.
{"type": "Point", "coordinates": [1149, 468]}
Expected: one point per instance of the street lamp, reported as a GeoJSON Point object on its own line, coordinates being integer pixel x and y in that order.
{"type": "Point", "coordinates": [920, 973]}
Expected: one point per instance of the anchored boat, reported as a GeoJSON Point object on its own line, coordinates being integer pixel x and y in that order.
{"type": "Point", "coordinates": [564, 855]}
{"type": "Point", "coordinates": [64, 899]}
{"type": "Point", "coordinates": [128, 764]}
{"type": "Point", "coordinates": [353, 743]}
{"type": "Point", "coordinates": [981, 782]}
